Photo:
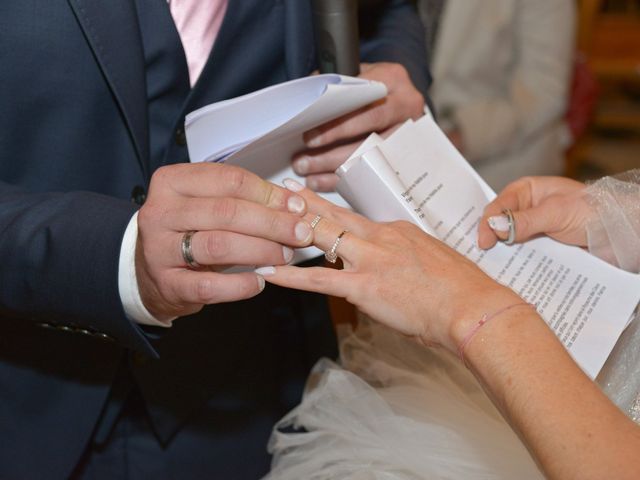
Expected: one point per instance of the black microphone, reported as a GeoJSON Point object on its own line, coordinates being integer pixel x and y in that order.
{"type": "Point", "coordinates": [336, 34]}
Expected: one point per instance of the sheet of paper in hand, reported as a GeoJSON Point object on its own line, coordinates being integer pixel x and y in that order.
{"type": "Point", "coordinates": [261, 131]}
{"type": "Point", "coordinates": [418, 176]}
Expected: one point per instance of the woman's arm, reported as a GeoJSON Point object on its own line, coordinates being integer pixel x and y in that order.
{"type": "Point", "coordinates": [570, 427]}
{"type": "Point", "coordinates": [422, 288]}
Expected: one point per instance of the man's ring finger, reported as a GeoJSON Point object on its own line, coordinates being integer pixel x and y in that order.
{"type": "Point", "coordinates": [187, 251]}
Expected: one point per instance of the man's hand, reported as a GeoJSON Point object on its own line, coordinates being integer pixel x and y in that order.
{"type": "Point", "coordinates": [238, 219]}
{"type": "Point", "coordinates": [331, 144]}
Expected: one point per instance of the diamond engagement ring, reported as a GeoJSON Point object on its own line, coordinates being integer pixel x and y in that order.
{"type": "Point", "coordinates": [331, 254]}
{"type": "Point", "coordinates": [512, 226]}
{"type": "Point", "coordinates": [315, 221]}
{"type": "Point", "coordinates": [187, 252]}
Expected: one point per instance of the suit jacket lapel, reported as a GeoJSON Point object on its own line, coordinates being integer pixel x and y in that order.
{"type": "Point", "coordinates": [111, 28]}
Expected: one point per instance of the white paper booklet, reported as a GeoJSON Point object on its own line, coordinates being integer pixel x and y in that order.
{"type": "Point", "coordinates": [417, 175]}
{"type": "Point", "coordinates": [261, 131]}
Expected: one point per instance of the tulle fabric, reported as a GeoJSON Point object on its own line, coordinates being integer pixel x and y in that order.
{"type": "Point", "coordinates": [614, 236]}
{"type": "Point", "coordinates": [614, 233]}
{"type": "Point", "coordinates": [395, 410]}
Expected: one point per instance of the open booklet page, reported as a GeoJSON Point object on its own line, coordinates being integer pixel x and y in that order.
{"type": "Point", "coordinates": [262, 130]}
{"type": "Point", "coordinates": [586, 301]}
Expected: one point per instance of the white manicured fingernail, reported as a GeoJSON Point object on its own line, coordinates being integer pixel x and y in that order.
{"type": "Point", "coordinates": [287, 253]}
{"type": "Point", "coordinates": [303, 232]}
{"type": "Point", "coordinates": [292, 185]}
{"type": "Point", "coordinates": [301, 166]}
{"type": "Point", "coordinates": [265, 272]}
{"type": "Point", "coordinates": [499, 223]}
{"type": "Point", "coordinates": [296, 204]}
{"type": "Point", "coordinates": [261, 282]}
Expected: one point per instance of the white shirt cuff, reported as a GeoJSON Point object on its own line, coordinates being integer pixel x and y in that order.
{"type": "Point", "coordinates": [128, 283]}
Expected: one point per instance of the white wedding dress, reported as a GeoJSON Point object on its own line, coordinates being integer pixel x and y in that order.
{"type": "Point", "coordinates": [394, 410]}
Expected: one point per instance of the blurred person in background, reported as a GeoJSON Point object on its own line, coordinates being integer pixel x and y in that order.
{"type": "Point", "coordinates": [501, 73]}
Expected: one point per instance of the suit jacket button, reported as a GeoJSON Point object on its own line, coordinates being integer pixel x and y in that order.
{"type": "Point", "coordinates": [138, 195]}
{"type": "Point", "coordinates": [103, 336]}
{"type": "Point", "coordinates": [180, 137]}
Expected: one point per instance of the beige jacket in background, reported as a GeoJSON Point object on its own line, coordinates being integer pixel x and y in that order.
{"type": "Point", "coordinates": [502, 69]}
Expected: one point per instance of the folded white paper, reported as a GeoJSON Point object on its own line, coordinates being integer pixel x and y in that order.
{"type": "Point", "coordinates": [417, 175]}
{"type": "Point", "coordinates": [262, 130]}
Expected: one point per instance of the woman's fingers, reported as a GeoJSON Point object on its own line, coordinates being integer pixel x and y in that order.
{"type": "Point", "coordinates": [526, 223]}
{"type": "Point", "coordinates": [551, 217]}
{"type": "Point", "coordinates": [338, 237]}
{"type": "Point", "coordinates": [539, 205]}
{"type": "Point", "coordinates": [328, 281]}
{"type": "Point", "coordinates": [516, 196]}
{"type": "Point", "coordinates": [317, 205]}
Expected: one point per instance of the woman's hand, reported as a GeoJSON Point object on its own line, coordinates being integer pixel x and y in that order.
{"type": "Point", "coordinates": [554, 206]}
{"type": "Point", "coordinates": [397, 274]}
{"type": "Point", "coordinates": [406, 279]}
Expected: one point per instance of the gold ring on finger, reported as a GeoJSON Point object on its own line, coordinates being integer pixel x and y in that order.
{"type": "Point", "coordinates": [331, 255]}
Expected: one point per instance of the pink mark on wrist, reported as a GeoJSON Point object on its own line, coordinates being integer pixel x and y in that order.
{"type": "Point", "coordinates": [485, 318]}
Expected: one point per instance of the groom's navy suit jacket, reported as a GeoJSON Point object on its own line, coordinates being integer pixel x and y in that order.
{"type": "Point", "coordinates": [92, 101]}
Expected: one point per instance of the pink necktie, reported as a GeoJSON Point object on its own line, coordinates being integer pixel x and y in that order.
{"type": "Point", "coordinates": [198, 22]}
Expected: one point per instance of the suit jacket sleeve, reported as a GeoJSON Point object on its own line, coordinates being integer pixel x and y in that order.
{"type": "Point", "coordinates": [49, 276]}
{"type": "Point", "coordinates": [391, 31]}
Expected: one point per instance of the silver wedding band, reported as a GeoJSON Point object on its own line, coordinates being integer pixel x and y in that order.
{"type": "Point", "coordinates": [331, 255]}
{"type": "Point", "coordinates": [315, 221]}
{"type": "Point", "coordinates": [187, 252]}
{"type": "Point", "coordinates": [512, 226]}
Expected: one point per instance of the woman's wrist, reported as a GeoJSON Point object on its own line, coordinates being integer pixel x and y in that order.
{"type": "Point", "coordinates": [479, 309]}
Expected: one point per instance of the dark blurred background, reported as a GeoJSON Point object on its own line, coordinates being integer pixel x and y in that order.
{"type": "Point", "coordinates": [608, 37]}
